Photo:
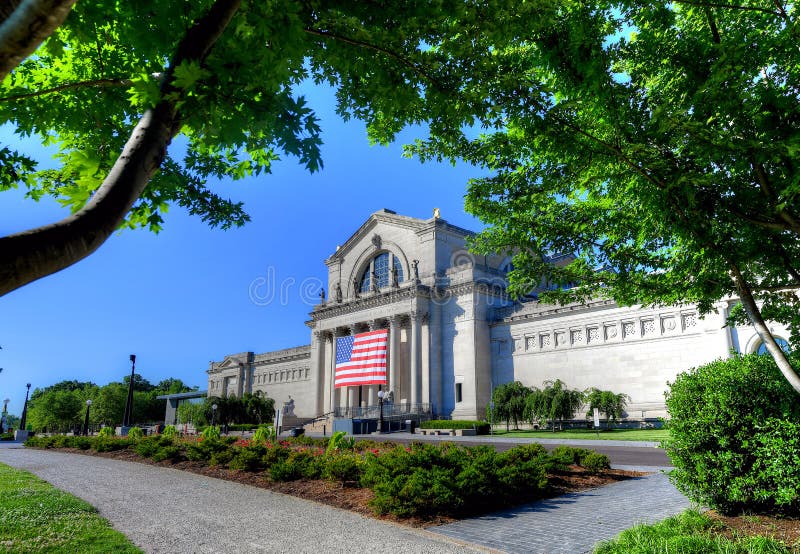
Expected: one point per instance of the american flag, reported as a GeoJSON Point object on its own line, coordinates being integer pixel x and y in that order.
{"type": "Point", "coordinates": [361, 359]}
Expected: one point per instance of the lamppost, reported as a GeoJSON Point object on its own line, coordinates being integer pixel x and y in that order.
{"type": "Point", "coordinates": [126, 419]}
{"type": "Point", "coordinates": [213, 413]}
{"type": "Point", "coordinates": [4, 420]}
{"type": "Point", "coordinates": [22, 420]}
{"type": "Point", "coordinates": [86, 419]}
{"type": "Point", "coordinates": [381, 395]}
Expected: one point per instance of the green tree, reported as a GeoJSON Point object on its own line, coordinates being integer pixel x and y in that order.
{"type": "Point", "coordinates": [116, 82]}
{"type": "Point", "coordinates": [192, 412]}
{"type": "Point", "coordinates": [607, 402]}
{"type": "Point", "coordinates": [57, 410]}
{"type": "Point", "coordinates": [173, 386]}
{"type": "Point", "coordinates": [555, 402]}
{"type": "Point", "coordinates": [657, 141]}
{"type": "Point", "coordinates": [509, 402]}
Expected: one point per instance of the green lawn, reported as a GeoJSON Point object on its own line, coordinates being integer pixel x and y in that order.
{"type": "Point", "coordinates": [687, 533]}
{"type": "Point", "coordinates": [614, 434]}
{"type": "Point", "coordinates": [37, 517]}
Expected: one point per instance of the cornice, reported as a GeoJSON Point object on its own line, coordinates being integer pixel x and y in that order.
{"type": "Point", "coordinates": [368, 302]}
{"type": "Point", "coordinates": [507, 315]}
{"type": "Point", "coordinates": [378, 217]}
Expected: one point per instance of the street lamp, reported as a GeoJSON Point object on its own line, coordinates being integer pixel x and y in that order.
{"type": "Point", "coordinates": [86, 420]}
{"type": "Point", "coordinates": [213, 413]}
{"type": "Point", "coordinates": [4, 419]}
{"type": "Point", "coordinates": [23, 419]}
{"type": "Point", "coordinates": [381, 396]}
{"type": "Point", "coordinates": [126, 418]}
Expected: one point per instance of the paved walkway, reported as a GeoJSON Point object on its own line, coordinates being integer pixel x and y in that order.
{"type": "Point", "coordinates": [572, 523]}
{"type": "Point", "coordinates": [165, 510]}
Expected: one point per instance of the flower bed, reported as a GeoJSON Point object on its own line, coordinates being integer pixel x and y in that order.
{"type": "Point", "coordinates": [420, 481]}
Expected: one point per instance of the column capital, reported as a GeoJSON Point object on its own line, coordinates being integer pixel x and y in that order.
{"type": "Point", "coordinates": [394, 320]}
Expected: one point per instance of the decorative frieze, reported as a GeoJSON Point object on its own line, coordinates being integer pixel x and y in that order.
{"type": "Point", "coordinates": [593, 334]}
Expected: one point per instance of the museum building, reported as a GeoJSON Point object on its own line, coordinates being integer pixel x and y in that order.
{"type": "Point", "coordinates": [455, 334]}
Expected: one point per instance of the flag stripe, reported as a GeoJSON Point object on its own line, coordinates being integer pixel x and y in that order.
{"type": "Point", "coordinates": [361, 359]}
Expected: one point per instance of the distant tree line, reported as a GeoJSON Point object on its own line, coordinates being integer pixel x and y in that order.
{"type": "Point", "coordinates": [249, 408]}
{"type": "Point", "coordinates": [552, 404]}
{"type": "Point", "coordinates": [62, 406]}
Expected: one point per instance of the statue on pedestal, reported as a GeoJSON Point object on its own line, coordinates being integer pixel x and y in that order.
{"type": "Point", "coordinates": [338, 293]}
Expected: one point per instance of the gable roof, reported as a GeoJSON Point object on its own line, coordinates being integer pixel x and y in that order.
{"type": "Point", "coordinates": [391, 218]}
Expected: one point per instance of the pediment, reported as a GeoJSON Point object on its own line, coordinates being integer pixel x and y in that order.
{"type": "Point", "coordinates": [366, 232]}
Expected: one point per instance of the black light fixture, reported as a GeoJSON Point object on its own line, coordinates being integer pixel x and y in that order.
{"type": "Point", "coordinates": [86, 419]}
{"type": "Point", "coordinates": [23, 419]}
{"type": "Point", "coordinates": [126, 418]}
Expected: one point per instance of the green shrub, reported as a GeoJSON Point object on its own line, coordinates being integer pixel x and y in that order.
{"type": "Point", "coordinates": [135, 433]}
{"type": "Point", "coordinates": [481, 427]}
{"type": "Point", "coordinates": [211, 432]}
{"type": "Point", "coordinates": [170, 431]}
{"type": "Point", "coordinates": [564, 456]}
{"type": "Point", "coordinates": [106, 432]}
{"type": "Point", "coordinates": [146, 447]}
{"type": "Point", "coordinates": [340, 441]}
{"type": "Point", "coordinates": [273, 455]}
{"type": "Point", "coordinates": [595, 462]}
{"type": "Point", "coordinates": [778, 464]}
{"type": "Point", "coordinates": [344, 468]}
{"type": "Point", "coordinates": [298, 464]}
{"type": "Point", "coordinates": [170, 452]}
{"type": "Point", "coordinates": [248, 458]}
{"type": "Point", "coordinates": [719, 416]}
{"type": "Point", "coordinates": [221, 457]}
{"type": "Point", "coordinates": [110, 443]}
{"type": "Point", "coordinates": [264, 434]}
{"type": "Point", "coordinates": [202, 450]}
{"type": "Point", "coordinates": [84, 443]}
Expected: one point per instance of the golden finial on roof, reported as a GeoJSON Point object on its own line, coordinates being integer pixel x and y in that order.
{"type": "Point", "coordinates": [436, 213]}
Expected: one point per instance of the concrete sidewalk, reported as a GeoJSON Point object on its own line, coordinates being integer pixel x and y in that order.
{"type": "Point", "coordinates": [572, 523]}
{"type": "Point", "coordinates": [166, 510]}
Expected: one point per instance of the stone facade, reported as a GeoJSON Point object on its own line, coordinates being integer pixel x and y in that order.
{"type": "Point", "coordinates": [454, 334]}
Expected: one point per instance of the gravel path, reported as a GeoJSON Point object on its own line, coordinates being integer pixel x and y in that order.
{"type": "Point", "coordinates": [167, 510]}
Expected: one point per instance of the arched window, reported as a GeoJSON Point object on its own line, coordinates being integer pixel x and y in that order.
{"type": "Point", "coordinates": [380, 265]}
{"type": "Point", "coordinates": [762, 348]}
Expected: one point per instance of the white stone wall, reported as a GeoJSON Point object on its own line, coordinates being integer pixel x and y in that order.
{"type": "Point", "coordinates": [626, 350]}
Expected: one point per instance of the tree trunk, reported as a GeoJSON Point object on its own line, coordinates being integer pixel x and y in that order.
{"type": "Point", "coordinates": [25, 25]}
{"type": "Point", "coordinates": [754, 313]}
{"type": "Point", "coordinates": [33, 254]}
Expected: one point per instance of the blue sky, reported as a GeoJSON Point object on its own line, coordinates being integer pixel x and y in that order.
{"type": "Point", "coordinates": [182, 298]}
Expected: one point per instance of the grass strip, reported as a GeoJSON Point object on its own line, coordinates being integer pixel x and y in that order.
{"type": "Point", "coordinates": [654, 435]}
{"type": "Point", "coordinates": [37, 517]}
{"type": "Point", "coordinates": [689, 532]}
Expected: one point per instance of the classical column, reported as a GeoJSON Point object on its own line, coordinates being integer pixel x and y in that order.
{"type": "Point", "coordinates": [336, 393]}
{"type": "Point", "coordinates": [352, 392]}
{"type": "Point", "coordinates": [725, 331]}
{"type": "Point", "coordinates": [318, 359]}
{"type": "Point", "coordinates": [394, 344]}
{"type": "Point", "coordinates": [415, 338]}
{"type": "Point", "coordinates": [240, 389]}
{"type": "Point", "coordinates": [425, 356]}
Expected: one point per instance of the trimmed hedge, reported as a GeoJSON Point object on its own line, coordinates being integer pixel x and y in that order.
{"type": "Point", "coordinates": [417, 480]}
{"type": "Point", "coordinates": [734, 436]}
{"type": "Point", "coordinates": [481, 427]}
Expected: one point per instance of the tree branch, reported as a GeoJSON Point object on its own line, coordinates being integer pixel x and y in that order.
{"type": "Point", "coordinates": [25, 28]}
{"type": "Point", "coordinates": [30, 255]}
{"type": "Point", "coordinates": [404, 61]}
{"type": "Point", "coordinates": [69, 86]}
{"type": "Point", "coordinates": [754, 313]}
{"type": "Point", "coordinates": [726, 6]}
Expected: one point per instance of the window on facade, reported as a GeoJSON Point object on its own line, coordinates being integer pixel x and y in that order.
{"type": "Point", "coordinates": [459, 396]}
{"type": "Point", "coordinates": [380, 265]}
{"type": "Point", "coordinates": [762, 348]}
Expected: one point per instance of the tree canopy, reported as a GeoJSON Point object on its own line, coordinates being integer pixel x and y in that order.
{"type": "Point", "coordinates": [658, 142]}
{"type": "Point", "coordinates": [116, 82]}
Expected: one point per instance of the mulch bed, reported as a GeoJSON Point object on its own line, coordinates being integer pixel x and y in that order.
{"type": "Point", "coordinates": [786, 530]}
{"type": "Point", "coordinates": [356, 499]}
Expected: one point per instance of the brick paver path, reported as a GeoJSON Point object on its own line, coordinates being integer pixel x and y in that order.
{"type": "Point", "coordinates": [572, 523]}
